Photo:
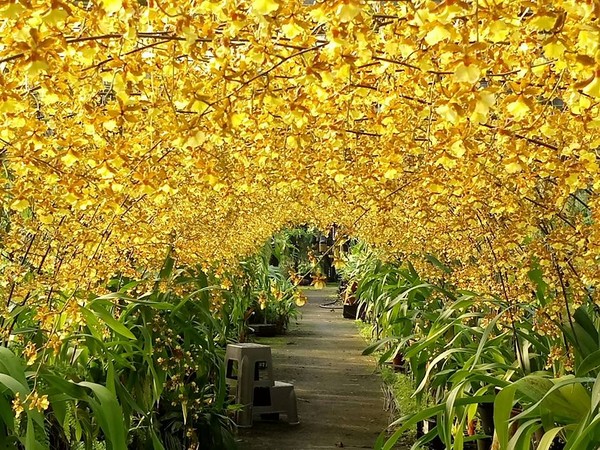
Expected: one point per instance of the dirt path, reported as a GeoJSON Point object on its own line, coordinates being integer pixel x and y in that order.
{"type": "Point", "coordinates": [340, 401]}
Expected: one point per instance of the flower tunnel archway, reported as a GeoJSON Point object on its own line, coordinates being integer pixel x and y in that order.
{"type": "Point", "coordinates": [464, 131]}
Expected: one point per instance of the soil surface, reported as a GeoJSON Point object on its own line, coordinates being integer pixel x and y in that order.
{"type": "Point", "coordinates": [340, 401]}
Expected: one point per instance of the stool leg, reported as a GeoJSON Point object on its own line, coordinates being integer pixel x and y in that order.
{"type": "Point", "coordinates": [292, 409]}
{"type": "Point", "coordinates": [244, 417]}
{"type": "Point", "coordinates": [245, 395]}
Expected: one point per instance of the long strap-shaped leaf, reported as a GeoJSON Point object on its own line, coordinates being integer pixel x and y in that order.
{"type": "Point", "coordinates": [109, 415]}
{"type": "Point", "coordinates": [409, 421]}
{"type": "Point", "coordinates": [548, 438]}
{"type": "Point", "coordinates": [503, 406]}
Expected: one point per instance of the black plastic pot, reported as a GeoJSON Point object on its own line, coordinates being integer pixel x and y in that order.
{"type": "Point", "coordinates": [265, 329]}
{"type": "Point", "coordinates": [486, 415]}
{"type": "Point", "coordinates": [423, 428]}
{"type": "Point", "coordinates": [350, 311]}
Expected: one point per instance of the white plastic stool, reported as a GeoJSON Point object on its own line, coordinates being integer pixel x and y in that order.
{"type": "Point", "coordinates": [252, 362]}
{"type": "Point", "coordinates": [281, 399]}
{"type": "Point", "coordinates": [249, 371]}
{"type": "Point", "coordinates": [248, 366]}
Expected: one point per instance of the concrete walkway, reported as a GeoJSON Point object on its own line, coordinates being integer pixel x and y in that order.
{"type": "Point", "coordinates": [340, 401]}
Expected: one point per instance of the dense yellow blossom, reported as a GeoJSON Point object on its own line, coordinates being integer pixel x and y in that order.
{"type": "Point", "coordinates": [465, 129]}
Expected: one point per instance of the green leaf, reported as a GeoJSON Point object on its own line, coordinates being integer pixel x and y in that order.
{"type": "Point", "coordinates": [167, 267]}
{"type": "Point", "coordinates": [595, 394]}
{"type": "Point", "coordinates": [58, 384]}
{"type": "Point", "coordinates": [521, 440]}
{"type": "Point", "coordinates": [450, 414]}
{"type": "Point", "coordinates": [377, 345]}
{"type": "Point", "coordinates": [14, 385]}
{"type": "Point", "coordinates": [437, 263]}
{"type": "Point", "coordinates": [534, 387]}
{"type": "Point", "coordinates": [590, 363]}
{"type": "Point", "coordinates": [537, 276]}
{"type": "Point", "coordinates": [580, 438]}
{"type": "Point", "coordinates": [576, 396]}
{"type": "Point", "coordinates": [109, 415]}
{"type": "Point", "coordinates": [7, 416]}
{"type": "Point", "coordinates": [422, 442]}
{"type": "Point", "coordinates": [503, 406]}
{"type": "Point", "coordinates": [30, 442]}
{"type": "Point", "coordinates": [566, 405]}
{"type": "Point", "coordinates": [459, 438]}
{"type": "Point", "coordinates": [486, 334]}
{"type": "Point", "coordinates": [110, 321]}
{"type": "Point", "coordinates": [436, 331]}
{"type": "Point", "coordinates": [408, 421]}
{"type": "Point", "coordinates": [548, 438]}
{"type": "Point", "coordinates": [582, 318]}
{"type": "Point", "coordinates": [91, 322]}
{"type": "Point", "coordinates": [380, 441]}
{"type": "Point", "coordinates": [587, 342]}
{"type": "Point", "coordinates": [402, 297]}
{"type": "Point", "coordinates": [110, 378]}
{"type": "Point", "coordinates": [116, 296]}
{"type": "Point", "coordinates": [156, 444]}
{"type": "Point", "coordinates": [188, 297]}
{"type": "Point", "coordinates": [433, 364]}
{"type": "Point", "coordinates": [12, 365]}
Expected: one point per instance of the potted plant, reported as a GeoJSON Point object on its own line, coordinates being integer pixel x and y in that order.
{"type": "Point", "coordinates": [350, 301]}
